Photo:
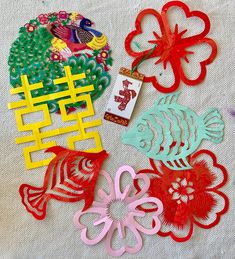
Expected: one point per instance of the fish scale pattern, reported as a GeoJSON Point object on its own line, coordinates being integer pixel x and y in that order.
{"type": "Point", "coordinates": [170, 132]}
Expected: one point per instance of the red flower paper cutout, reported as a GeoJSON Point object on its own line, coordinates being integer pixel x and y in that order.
{"type": "Point", "coordinates": [172, 45]}
{"type": "Point", "coordinates": [71, 176]}
{"type": "Point", "coordinates": [189, 197]}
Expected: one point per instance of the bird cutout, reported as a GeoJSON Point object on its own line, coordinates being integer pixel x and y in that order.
{"type": "Point", "coordinates": [170, 132]}
{"type": "Point", "coordinates": [71, 176]}
{"type": "Point", "coordinates": [127, 94]}
{"type": "Point", "coordinates": [79, 37]}
{"type": "Point", "coordinates": [42, 55]}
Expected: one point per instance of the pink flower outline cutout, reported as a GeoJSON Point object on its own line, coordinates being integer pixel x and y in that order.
{"type": "Point", "coordinates": [128, 221]}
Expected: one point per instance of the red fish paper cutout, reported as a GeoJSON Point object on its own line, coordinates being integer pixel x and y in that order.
{"type": "Point", "coordinates": [71, 176]}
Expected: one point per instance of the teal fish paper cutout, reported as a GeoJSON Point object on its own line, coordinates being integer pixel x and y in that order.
{"type": "Point", "coordinates": [170, 132]}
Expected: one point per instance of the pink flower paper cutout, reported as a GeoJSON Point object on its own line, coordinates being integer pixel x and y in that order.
{"type": "Point", "coordinates": [131, 203]}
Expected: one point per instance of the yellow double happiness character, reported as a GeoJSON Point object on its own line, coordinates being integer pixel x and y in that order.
{"type": "Point", "coordinates": [32, 104]}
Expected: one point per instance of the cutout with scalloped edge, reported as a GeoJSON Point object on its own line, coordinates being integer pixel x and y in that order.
{"type": "Point", "coordinates": [128, 220]}
{"type": "Point", "coordinates": [71, 176]}
{"type": "Point", "coordinates": [51, 41]}
{"type": "Point", "coordinates": [172, 45]}
{"type": "Point", "coordinates": [170, 132]}
{"type": "Point", "coordinates": [190, 197]}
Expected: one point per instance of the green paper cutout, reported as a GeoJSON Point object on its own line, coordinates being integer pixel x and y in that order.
{"type": "Point", "coordinates": [32, 54]}
{"type": "Point", "coordinates": [95, 75]}
{"type": "Point", "coordinates": [170, 132]}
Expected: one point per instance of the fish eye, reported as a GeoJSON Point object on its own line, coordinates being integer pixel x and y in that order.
{"type": "Point", "coordinates": [141, 128]}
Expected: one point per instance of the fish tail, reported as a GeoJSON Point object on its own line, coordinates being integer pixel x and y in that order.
{"type": "Point", "coordinates": [34, 200]}
{"type": "Point", "coordinates": [213, 126]}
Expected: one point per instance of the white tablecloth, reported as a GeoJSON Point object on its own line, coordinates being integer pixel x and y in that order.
{"type": "Point", "coordinates": [21, 236]}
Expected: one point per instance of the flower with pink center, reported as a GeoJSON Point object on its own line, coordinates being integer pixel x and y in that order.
{"type": "Point", "coordinates": [106, 47]}
{"type": "Point", "coordinates": [43, 19]}
{"type": "Point", "coordinates": [62, 15]}
{"type": "Point", "coordinates": [125, 217]}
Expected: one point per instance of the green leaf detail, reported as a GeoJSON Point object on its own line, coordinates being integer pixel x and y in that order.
{"type": "Point", "coordinates": [30, 55]}
{"type": "Point", "coordinates": [109, 61]}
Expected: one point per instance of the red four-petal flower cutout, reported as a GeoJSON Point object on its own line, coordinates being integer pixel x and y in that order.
{"type": "Point", "coordinates": [172, 45]}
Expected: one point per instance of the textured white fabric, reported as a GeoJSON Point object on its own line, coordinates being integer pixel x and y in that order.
{"type": "Point", "coordinates": [21, 236]}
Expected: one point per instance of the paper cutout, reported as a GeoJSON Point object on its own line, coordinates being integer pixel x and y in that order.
{"type": "Point", "coordinates": [104, 57]}
{"type": "Point", "coordinates": [172, 45]}
{"type": "Point", "coordinates": [113, 222]}
{"type": "Point", "coordinates": [122, 99]}
{"type": "Point", "coordinates": [41, 52]}
{"type": "Point", "coordinates": [71, 176]}
{"type": "Point", "coordinates": [125, 95]}
{"type": "Point", "coordinates": [33, 104]}
{"type": "Point", "coordinates": [159, 131]}
{"type": "Point", "coordinates": [190, 197]}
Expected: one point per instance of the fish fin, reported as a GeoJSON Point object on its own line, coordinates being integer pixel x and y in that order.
{"type": "Point", "coordinates": [167, 99]}
{"type": "Point", "coordinates": [213, 126]}
{"type": "Point", "coordinates": [185, 163]}
{"type": "Point", "coordinates": [56, 150]}
{"type": "Point", "coordinates": [34, 200]}
{"type": "Point", "coordinates": [177, 164]}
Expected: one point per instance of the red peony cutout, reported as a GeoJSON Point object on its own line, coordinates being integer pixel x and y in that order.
{"type": "Point", "coordinates": [171, 46]}
{"type": "Point", "coordinates": [189, 197]}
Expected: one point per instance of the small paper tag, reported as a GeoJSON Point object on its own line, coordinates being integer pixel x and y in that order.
{"type": "Point", "coordinates": [124, 96]}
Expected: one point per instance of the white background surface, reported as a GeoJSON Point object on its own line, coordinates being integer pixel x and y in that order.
{"type": "Point", "coordinates": [21, 236]}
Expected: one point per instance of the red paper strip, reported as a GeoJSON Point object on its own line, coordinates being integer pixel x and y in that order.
{"type": "Point", "coordinates": [189, 197]}
{"type": "Point", "coordinates": [71, 176]}
{"type": "Point", "coordinates": [171, 46]}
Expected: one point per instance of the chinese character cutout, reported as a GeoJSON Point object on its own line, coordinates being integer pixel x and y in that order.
{"type": "Point", "coordinates": [126, 95]}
